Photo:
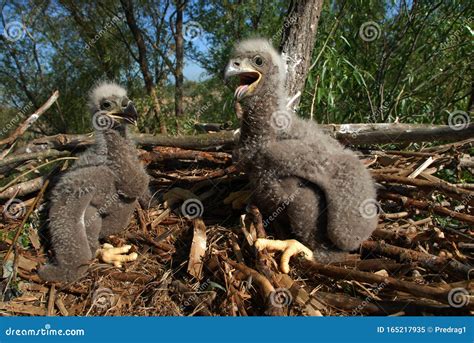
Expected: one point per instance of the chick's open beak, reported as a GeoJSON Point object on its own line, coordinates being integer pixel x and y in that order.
{"type": "Point", "coordinates": [127, 113]}
{"type": "Point", "coordinates": [248, 76]}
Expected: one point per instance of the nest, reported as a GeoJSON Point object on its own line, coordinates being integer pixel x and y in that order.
{"type": "Point", "coordinates": [417, 262]}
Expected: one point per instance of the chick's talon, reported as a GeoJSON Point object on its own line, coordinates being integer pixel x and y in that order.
{"type": "Point", "coordinates": [109, 254]}
{"type": "Point", "coordinates": [290, 247]}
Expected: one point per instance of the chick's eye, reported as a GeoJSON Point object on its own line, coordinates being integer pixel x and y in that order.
{"type": "Point", "coordinates": [258, 60]}
{"type": "Point", "coordinates": [106, 105]}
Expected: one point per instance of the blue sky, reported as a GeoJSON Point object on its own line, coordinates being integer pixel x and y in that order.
{"type": "Point", "coordinates": [192, 71]}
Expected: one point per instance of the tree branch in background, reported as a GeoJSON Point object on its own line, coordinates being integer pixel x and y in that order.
{"type": "Point", "coordinates": [351, 134]}
{"type": "Point", "coordinates": [30, 120]}
{"type": "Point", "coordinates": [127, 6]}
{"type": "Point", "coordinates": [297, 43]}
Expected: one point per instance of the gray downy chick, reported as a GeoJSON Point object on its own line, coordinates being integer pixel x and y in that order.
{"type": "Point", "coordinates": [97, 196]}
{"type": "Point", "coordinates": [304, 180]}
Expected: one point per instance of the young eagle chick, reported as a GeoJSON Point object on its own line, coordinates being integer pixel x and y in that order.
{"type": "Point", "coordinates": [304, 181]}
{"type": "Point", "coordinates": [96, 198]}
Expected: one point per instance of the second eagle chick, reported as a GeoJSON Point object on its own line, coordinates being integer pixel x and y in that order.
{"type": "Point", "coordinates": [97, 197]}
{"type": "Point", "coordinates": [303, 179]}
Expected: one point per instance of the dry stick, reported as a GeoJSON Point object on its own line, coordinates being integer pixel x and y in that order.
{"type": "Point", "coordinates": [62, 309]}
{"type": "Point", "coordinates": [444, 186]}
{"type": "Point", "coordinates": [257, 221]}
{"type": "Point", "coordinates": [384, 307]}
{"type": "Point", "coordinates": [31, 119]}
{"type": "Point", "coordinates": [421, 168]}
{"type": "Point", "coordinates": [264, 284]}
{"type": "Point", "coordinates": [432, 262]}
{"type": "Point", "coordinates": [33, 170]}
{"type": "Point", "coordinates": [371, 265]}
{"type": "Point", "coordinates": [41, 155]}
{"type": "Point", "coordinates": [443, 148]}
{"type": "Point", "coordinates": [137, 237]}
{"type": "Point", "coordinates": [23, 188]}
{"type": "Point", "coordinates": [52, 296]}
{"type": "Point", "coordinates": [198, 249]}
{"type": "Point", "coordinates": [423, 205]}
{"type": "Point", "coordinates": [437, 294]}
{"type": "Point", "coordinates": [7, 151]}
{"type": "Point", "coordinates": [30, 210]}
{"type": "Point", "coordinates": [160, 154]}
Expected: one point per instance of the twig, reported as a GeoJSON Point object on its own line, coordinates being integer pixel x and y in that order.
{"type": "Point", "coordinates": [20, 228]}
{"type": "Point", "coordinates": [33, 170]}
{"type": "Point", "coordinates": [30, 120]}
{"type": "Point", "coordinates": [51, 299]}
{"type": "Point", "coordinates": [161, 154]}
{"type": "Point", "coordinates": [264, 284]}
{"type": "Point", "coordinates": [435, 263]}
{"type": "Point", "coordinates": [338, 273]}
{"type": "Point", "coordinates": [444, 186]}
{"type": "Point", "coordinates": [198, 249]}
{"type": "Point", "coordinates": [423, 205]}
{"type": "Point", "coordinates": [62, 309]}
{"type": "Point", "coordinates": [41, 155]}
{"type": "Point", "coordinates": [23, 188]}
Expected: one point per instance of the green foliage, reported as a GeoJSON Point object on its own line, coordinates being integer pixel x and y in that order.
{"type": "Point", "coordinates": [418, 69]}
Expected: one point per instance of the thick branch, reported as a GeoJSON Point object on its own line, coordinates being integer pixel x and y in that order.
{"type": "Point", "coordinates": [338, 273]}
{"type": "Point", "coordinates": [355, 134]}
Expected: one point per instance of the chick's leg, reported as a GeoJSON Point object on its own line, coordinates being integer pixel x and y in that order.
{"type": "Point", "coordinates": [116, 256]}
{"type": "Point", "coordinates": [290, 247]}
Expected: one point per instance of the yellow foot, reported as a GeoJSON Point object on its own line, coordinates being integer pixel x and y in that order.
{"type": "Point", "coordinates": [289, 247]}
{"type": "Point", "coordinates": [116, 256]}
